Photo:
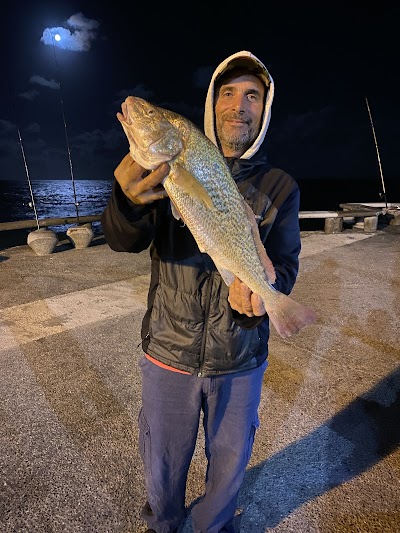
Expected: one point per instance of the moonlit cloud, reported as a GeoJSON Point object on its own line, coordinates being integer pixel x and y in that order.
{"type": "Point", "coordinates": [77, 39]}
{"type": "Point", "coordinates": [29, 95]}
{"type": "Point", "coordinates": [39, 80]}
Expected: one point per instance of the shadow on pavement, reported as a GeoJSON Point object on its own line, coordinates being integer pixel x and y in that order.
{"type": "Point", "coordinates": [351, 442]}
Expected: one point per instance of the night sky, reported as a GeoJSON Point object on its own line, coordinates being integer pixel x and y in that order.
{"type": "Point", "coordinates": [325, 60]}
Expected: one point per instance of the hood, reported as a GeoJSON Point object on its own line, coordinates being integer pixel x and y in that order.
{"type": "Point", "coordinates": [239, 59]}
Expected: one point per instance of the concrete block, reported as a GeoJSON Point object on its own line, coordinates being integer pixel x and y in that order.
{"type": "Point", "coordinates": [395, 221]}
{"type": "Point", "coordinates": [42, 241]}
{"type": "Point", "coordinates": [370, 224]}
{"type": "Point", "coordinates": [80, 236]}
{"type": "Point", "coordinates": [333, 225]}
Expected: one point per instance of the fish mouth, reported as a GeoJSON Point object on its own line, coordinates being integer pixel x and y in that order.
{"type": "Point", "coordinates": [128, 122]}
{"type": "Point", "coordinates": [153, 139]}
{"type": "Point", "coordinates": [124, 109]}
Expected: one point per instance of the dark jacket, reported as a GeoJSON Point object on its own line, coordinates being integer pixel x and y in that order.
{"type": "Point", "coordinates": [189, 323]}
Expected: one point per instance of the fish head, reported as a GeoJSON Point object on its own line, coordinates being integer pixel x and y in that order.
{"type": "Point", "coordinates": [152, 138]}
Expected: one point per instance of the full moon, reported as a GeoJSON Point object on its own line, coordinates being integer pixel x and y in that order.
{"type": "Point", "coordinates": [57, 37]}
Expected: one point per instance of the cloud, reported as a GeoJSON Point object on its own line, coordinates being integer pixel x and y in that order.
{"type": "Point", "coordinates": [29, 95]}
{"type": "Point", "coordinates": [7, 128]}
{"type": "Point", "coordinates": [39, 80]}
{"type": "Point", "coordinates": [79, 39]}
{"type": "Point", "coordinates": [10, 146]}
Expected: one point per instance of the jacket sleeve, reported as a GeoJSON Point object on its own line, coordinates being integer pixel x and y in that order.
{"type": "Point", "coordinates": [282, 242]}
{"type": "Point", "coordinates": [127, 227]}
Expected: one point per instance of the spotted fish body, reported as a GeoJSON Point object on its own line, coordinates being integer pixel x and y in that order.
{"type": "Point", "coordinates": [205, 196]}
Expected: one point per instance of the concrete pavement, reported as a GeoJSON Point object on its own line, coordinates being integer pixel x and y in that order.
{"type": "Point", "coordinates": [326, 457]}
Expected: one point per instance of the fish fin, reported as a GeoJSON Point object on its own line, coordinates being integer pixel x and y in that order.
{"type": "Point", "coordinates": [289, 316]}
{"type": "Point", "coordinates": [175, 212]}
{"type": "Point", "coordinates": [265, 260]}
{"type": "Point", "coordinates": [226, 275]}
{"type": "Point", "coordinates": [190, 185]}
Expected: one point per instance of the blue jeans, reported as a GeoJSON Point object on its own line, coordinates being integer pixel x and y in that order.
{"type": "Point", "coordinates": [168, 425]}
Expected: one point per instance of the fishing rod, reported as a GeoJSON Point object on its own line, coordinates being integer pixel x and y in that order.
{"type": "Point", "coordinates": [377, 153]}
{"type": "Point", "coordinates": [76, 203]}
{"type": "Point", "coordinates": [28, 178]}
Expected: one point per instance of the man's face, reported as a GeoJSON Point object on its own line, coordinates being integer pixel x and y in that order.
{"type": "Point", "coordinates": [239, 109]}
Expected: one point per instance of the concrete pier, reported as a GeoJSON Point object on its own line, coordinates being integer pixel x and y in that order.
{"type": "Point", "coordinates": [326, 457]}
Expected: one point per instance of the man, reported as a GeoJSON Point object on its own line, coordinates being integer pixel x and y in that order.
{"type": "Point", "coordinates": [205, 345]}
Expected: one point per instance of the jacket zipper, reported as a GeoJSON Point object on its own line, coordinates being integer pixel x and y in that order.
{"type": "Point", "coordinates": [142, 341]}
{"type": "Point", "coordinates": [206, 313]}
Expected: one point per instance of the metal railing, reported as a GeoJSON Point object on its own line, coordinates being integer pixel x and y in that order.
{"type": "Point", "coordinates": [26, 224]}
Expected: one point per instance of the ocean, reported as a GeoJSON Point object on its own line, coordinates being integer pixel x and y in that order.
{"type": "Point", "coordinates": [55, 199]}
{"type": "Point", "coordinates": [52, 199]}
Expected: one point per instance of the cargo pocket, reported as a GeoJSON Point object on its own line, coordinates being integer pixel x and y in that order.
{"type": "Point", "coordinates": [144, 442]}
{"type": "Point", "coordinates": [254, 426]}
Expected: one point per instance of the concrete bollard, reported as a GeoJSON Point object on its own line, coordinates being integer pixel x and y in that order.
{"type": "Point", "coordinates": [80, 236]}
{"type": "Point", "coordinates": [395, 221]}
{"type": "Point", "coordinates": [42, 241]}
{"type": "Point", "coordinates": [370, 224]}
{"type": "Point", "coordinates": [333, 225]}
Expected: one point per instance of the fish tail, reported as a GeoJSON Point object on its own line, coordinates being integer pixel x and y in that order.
{"type": "Point", "coordinates": [289, 316]}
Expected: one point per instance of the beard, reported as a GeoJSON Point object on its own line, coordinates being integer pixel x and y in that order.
{"type": "Point", "coordinates": [237, 141]}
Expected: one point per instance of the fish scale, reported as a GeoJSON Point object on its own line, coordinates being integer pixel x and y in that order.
{"type": "Point", "coordinates": [205, 196]}
{"type": "Point", "coordinates": [211, 233]}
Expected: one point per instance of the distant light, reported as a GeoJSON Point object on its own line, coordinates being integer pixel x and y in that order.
{"type": "Point", "coordinates": [57, 37]}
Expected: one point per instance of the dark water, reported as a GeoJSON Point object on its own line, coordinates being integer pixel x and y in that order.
{"type": "Point", "coordinates": [55, 199]}
{"type": "Point", "coordinates": [52, 199]}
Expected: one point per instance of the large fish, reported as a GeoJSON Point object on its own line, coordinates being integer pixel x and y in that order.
{"type": "Point", "coordinates": [205, 196]}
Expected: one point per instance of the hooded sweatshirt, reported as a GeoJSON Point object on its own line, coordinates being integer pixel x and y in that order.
{"type": "Point", "coordinates": [253, 64]}
{"type": "Point", "coordinates": [189, 324]}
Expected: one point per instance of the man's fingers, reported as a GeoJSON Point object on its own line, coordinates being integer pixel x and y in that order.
{"type": "Point", "coordinates": [234, 295]}
{"type": "Point", "coordinates": [128, 171]}
{"type": "Point", "coordinates": [245, 295]}
{"type": "Point", "coordinates": [140, 185]}
{"type": "Point", "coordinates": [153, 179]}
{"type": "Point", "coordinates": [150, 186]}
{"type": "Point", "coordinates": [241, 299]}
{"type": "Point", "coordinates": [151, 195]}
{"type": "Point", "coordinates": [257, 305]}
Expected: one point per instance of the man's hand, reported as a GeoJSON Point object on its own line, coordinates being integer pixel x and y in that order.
{"type": "Point", "coordinates": [140, 186]}
{"type": "Point", "coordinates": [244, 301]}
